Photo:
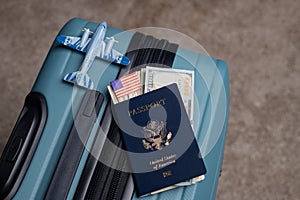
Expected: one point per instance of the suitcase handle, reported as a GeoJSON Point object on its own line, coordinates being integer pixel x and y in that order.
{"type": "Point", "coordinates": [22, 143]}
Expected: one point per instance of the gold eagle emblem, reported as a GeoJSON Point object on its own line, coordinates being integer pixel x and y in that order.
{"type": "Point", "coordinates": [156, 136]}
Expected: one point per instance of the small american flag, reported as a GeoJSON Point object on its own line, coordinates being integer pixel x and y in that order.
{"type": "Point", "coordinates": [126, 84]}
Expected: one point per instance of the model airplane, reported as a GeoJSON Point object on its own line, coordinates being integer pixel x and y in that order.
{"type": "Point", "coordinates": [93, 47]}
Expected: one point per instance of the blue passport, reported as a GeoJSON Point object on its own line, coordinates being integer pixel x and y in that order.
{"type": "Point", "coordinates": [159, 140]}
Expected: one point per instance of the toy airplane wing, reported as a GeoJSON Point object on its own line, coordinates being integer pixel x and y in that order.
{"type": "Point", "coordinates": [106, 51]}
{"type": "Point", "coordinates": [73, 42]}
{"type": "Point", "coordinates": [114, 56]}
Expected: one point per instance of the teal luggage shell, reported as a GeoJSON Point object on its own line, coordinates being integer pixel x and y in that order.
{"type": "Point", "coordinates": [211, 90]}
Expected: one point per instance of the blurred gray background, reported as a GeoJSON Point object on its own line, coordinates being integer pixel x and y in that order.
{"type": "Point", "coordinates": [260, 40]}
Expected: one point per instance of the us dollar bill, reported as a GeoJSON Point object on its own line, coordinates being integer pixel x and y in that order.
{"type": "Point", "coordinates": [158, 77]}
{"type": "Point", "coordinates": [155, 78]}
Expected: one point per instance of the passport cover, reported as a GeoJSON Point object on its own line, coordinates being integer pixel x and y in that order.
{"type": "Point", "coordinates": [159, 140]}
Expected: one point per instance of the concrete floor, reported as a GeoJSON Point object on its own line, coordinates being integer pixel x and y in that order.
{"type": "Point", "coordinates": [258, 39]}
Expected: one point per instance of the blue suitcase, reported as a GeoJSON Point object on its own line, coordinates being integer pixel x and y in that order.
{"type": "Point", "coordinates": [32, 158]}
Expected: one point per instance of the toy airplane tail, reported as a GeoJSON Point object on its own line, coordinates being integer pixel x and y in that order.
{"type": "Point", "coordinates": [79, 79]}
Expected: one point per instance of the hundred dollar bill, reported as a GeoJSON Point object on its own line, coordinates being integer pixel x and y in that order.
{"type": "Point", "coordinates": [158, 77]}
{"type": "Point", "coordinates": [142, 78]}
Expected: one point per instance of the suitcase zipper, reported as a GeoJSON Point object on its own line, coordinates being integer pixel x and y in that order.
{"type": "Point", "coordinates": [108, 183]}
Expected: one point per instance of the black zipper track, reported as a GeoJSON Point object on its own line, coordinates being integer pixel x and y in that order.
{"type": "Point", "coordinates": [105, 182]}
{"type": "Point", "coordinates": [103, 174]}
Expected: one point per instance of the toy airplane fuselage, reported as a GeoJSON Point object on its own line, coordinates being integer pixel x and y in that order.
{"type": "Point", "coordinates": [94, 47]}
